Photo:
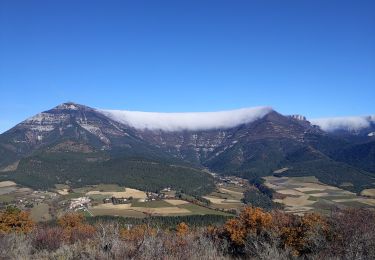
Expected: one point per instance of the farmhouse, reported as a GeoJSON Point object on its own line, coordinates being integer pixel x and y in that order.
{"type": "Point", "coordinates": [114, 200]}
{"type": "Point", "coordinates": [155, 196]}
{"type": "Point", "coordinates": [79, 202]}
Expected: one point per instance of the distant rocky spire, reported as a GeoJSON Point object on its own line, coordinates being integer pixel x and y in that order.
{"type": "Point", "coordinates": [298, 117]}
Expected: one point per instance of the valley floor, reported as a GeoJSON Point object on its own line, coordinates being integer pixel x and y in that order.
{"type": "Point", "coordinates": [297, 195]}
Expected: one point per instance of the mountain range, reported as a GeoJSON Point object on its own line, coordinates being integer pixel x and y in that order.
{"type": "Point", "coordinates": [79, 145]}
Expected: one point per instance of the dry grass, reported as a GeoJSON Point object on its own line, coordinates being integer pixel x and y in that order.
{"type": "Point", "coordinates": [137, 194]}
{"type": "Point", "coordinates": [291, 192]}
{"type": "Point", "coordinates": [7, 184]}
{"type": "Point", "coordinates": [176, 202]}
{"type": "Point", "coordinates": [368, 192]}
{"type": "Point", "coordinates": [370, 202]}
{"type": "Point", "coordinates": [232, 192]}
{"type": "Point", "coordinates": [318, 195]}
{"type": "Point", "coordinates": [140, 211]}
{"type": "Point", "coordinates": [216, 200]}
{"type": "Point", "coordinates": [297, 201]}
{"type": "Point", "coordinates": [40, 212]}
{"type": "Point", "coordinates": [110, 206]}
{"type": "Point", "coordinates": [306, 189]}
{"type": "Point", "coordinates": [307, 193]}
{"type": "Point", "coordinates": [63, 192]}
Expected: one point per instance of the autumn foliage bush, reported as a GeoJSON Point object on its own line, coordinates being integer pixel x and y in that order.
{"type": "Point", "coordinates": [252, 234]}
{"type": "Point", "coordinates": [15, 220]}
{"type": "Point", "coordinates": [74, 227]}
{"type": "Point", "coordinates": [305, 234]}
{"type": "Point", "coordinates": [299, 235]}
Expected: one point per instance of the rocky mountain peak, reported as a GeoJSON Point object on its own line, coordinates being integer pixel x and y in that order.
{"type": "Point", "coordinates": [247, 142]}
{"type": "Point", "coordinates": [298, 117]}
{"type": "Point", "coordinates": [71, 106]}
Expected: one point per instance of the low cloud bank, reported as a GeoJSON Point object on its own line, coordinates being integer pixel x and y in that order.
{"type": "Point", "coordinates": [354, 123]}
{"type": "Point", "coordinates": [187, 121]}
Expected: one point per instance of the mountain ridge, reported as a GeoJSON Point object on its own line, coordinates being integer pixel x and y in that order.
{"type": "Point", "coordinates": [247, 145]}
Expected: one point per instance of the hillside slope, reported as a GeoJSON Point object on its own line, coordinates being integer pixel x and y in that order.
{"type": "Point", "coordinates": [81, 145]}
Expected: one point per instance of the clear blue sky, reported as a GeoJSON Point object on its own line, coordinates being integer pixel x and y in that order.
{"type": "Point", "coordinates": [315, 58]}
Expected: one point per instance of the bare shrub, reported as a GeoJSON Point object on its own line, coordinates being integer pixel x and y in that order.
{"type": "Point", "coordinates": [108, 240]}
{"type": "Point", "coordinates": [82, 232]}
{"type": "Point", "coordinates": [265, 246]}
{"type": "Point", "coordinates": [15, 246]}
{"type": "Point", "coordinates": [353, 234]}
{"type": "Point", "coordinates": [48, 238]}
{"type": "Point", "coordinates": [80, 250]}
{"type": "Point", "coordinates": [172, 246]}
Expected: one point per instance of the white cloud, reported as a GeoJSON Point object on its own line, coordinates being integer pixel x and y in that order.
{"type": "Point", "coordinates": [187, 121]}
{"type": "Point", "coordinates": [354, 123]}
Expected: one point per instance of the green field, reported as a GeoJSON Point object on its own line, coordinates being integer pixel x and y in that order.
{"type": "Point", "coordinates": [72, 195]}
{"type": "Point", "coordinates": [6, 198]}
{"type": "Point", "coordinates": [40, 212]}
{"type": "Point", "coordinates": [108, 187]}
{"type": "Point", "coordinates": [118, 212]}
{"type": "Point", "coordinates": [226, 197]}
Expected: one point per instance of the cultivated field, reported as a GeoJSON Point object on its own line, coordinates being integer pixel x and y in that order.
{"type": "Point", "coordinates": [368, 192]}
{"type": "Point", "coordinates": [303, 194]}
{"type": "Point", "coordinates": [228, 197]}
{"type": "Point", "coordinates": [127, 192]}
{"type": "Point", "coordinates": [7, 184]}
{"type": "Point", "coordinates": [168, 207]}
{"type": "Point", "coordinates": [141, 208]}
{"type": "Point", "coordinates": [176, 202]}
{"type": "Point", "coordinates": [45, 205]}
{"type": "Point", "coordinates": [37, 202]}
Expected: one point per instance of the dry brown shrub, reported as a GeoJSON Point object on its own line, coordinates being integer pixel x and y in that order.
{"type": "Point", "coordinates": [137, 233]}
{"type": "Point", "coordinates": [353, 233]}
{"type": "Point", "coordinates": [75, 228]}
{"type": "Point", "coordinates": [182, 229]}
{"type": "Point", "coordinates": [250, 220]}
{"type": "Point", "coordinates": [303, 235]}
{"type": "Point", "coordinates": [15, 220]}
{"type": "Point", "coordinates": [48, 238]}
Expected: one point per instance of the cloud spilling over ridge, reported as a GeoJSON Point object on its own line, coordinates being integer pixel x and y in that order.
{"type": "Point", "coordinates": [353, 123]}
{"type": "Point", "coordinates": [187, 121]}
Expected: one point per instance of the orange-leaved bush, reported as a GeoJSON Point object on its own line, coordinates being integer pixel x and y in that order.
{"type": "Point", "coordinates": [182, 229]}
{"type": "Point", "coordinates": [75, 228]}
{"type": "Point", "coordinates": [250, 220]}
{"type": "Point", "coordinates": [15, 220]}
{"type": "Point", "coordinates": [137, 233]}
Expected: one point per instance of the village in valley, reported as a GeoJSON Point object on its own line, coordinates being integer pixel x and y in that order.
{"type": "Point", "coordinates": [225, 200]}
{"type": "Point", "coordinates": [114, 200]}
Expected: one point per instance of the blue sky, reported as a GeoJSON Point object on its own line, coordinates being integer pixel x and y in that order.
{"type": "Point", "coordinates": [315, 58]}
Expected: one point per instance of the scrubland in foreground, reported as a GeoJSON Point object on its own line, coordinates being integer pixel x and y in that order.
{"type": "Point", "coordinates": [253, 234]}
